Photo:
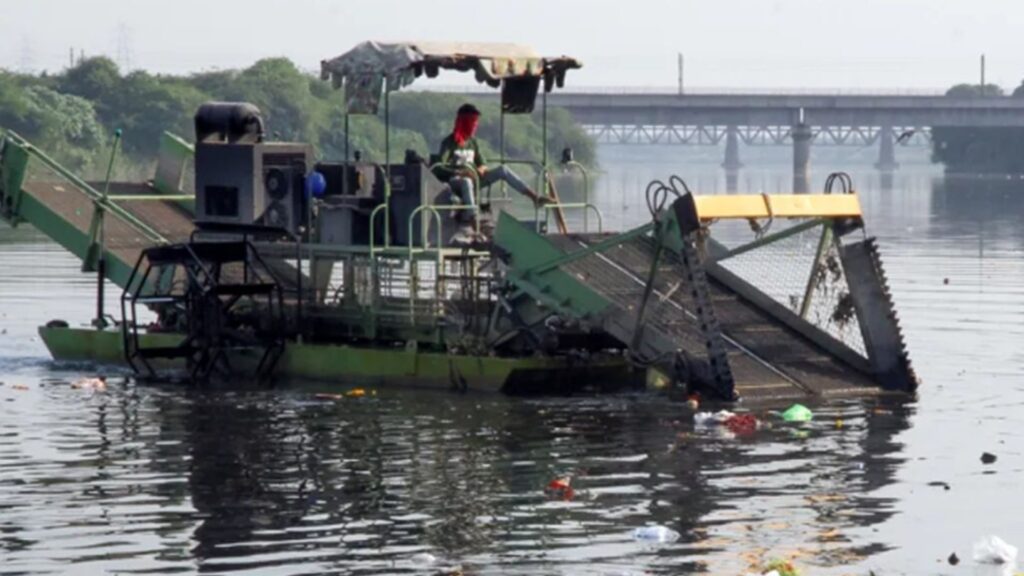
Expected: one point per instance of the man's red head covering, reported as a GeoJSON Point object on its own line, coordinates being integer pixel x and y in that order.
{"type": "Point", "coordinates": [466, 121]}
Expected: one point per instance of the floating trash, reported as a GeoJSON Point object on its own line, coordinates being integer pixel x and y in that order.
{"type": "Point", "coordinates": [742, 424]}
{"type": "Point", "coordinates": [423, 559]}
{"type": "Point", "coordinates": [325, 396]}
{"type": "Point", "coordinates": [738, 424]}
{"type": "Point", "coordinates": [693, 401]}
{"type": "Point", "coordinates": [98, 384]}
{"type": "Point", "coordinates": [780, 568]}
{"type": "Point", "coordinates": [660, 534]}
{"type": "Point", "coordinates": [712, 418]}
{"type": "Point", "coordinates": [353, 393]}
{"type": "Point", "coordinates": [993, 550]}
{"type": "Point", "coordinates": [797, 413]}
{"type": "Point", "coordinates": [560, 488]}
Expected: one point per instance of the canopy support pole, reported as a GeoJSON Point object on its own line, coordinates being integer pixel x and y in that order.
{"type": "Point", "coordinates": [387, 165]}
{"type": "Point", "coordinates": [387, 127]}
{"type": "Point", "coordinates": [348, 138]}
{"type": "Point", "coordinates": [544, 128]}
{"type": "Point", "coordinates": [344, 181]}
{"type": "Point", "coordinates": [501, 146]}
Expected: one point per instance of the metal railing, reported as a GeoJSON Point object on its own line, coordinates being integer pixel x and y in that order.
{"type": "Point", "coordinates": [474, 90]}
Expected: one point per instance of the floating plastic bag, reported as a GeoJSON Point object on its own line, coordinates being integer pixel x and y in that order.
{"type": "Point", "coordinates": [712, 418]}
{"type": "Point", "coordinates": [423, 559]}
{"type": "Point", "coordinates": [992, 550]}
{"type": "Point", "coordinates": [658, 534]}
{"type": "Point", "coordinates": [797, 413]}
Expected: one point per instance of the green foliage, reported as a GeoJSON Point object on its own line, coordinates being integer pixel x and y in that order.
{"type": "Point", "coordinates": [974, 91]}
{"type": "Point", "coordinates": [95, 79]}
{"type": "Point", "coordinates": [69, 124]}
{"type": "Point", "coordinates": [13, 104]}
{"type": "Point", "coordinates": [70, 113]}
{"type": "Point", "coordinates": [971, 150]}
{"type": "Point", "coordinates": [147, 106]}
{"type": "Point", "coordinates": [282, 93]}
{"type": "Point", "coordinates": [67, 120]}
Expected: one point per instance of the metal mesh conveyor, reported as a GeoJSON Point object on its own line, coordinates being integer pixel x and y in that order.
{"type": "Point", "coordinates": [166, 217]}
{"type": "Point", "coordinates": [775, 318]}
{"type": "Point", "coordinates": [767, 358]}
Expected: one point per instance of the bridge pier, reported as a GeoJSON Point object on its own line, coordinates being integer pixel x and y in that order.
{"type": "Point", "coordinates": [732, 149]}
{"type": "Point", "coordinates": [802, 136]}
{"type": "Point", "coordinates": [886, 150]}
{"type": "Point", "coordinates": [732, 181]}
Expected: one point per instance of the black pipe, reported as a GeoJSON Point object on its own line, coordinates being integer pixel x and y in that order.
{"type": "Point", "coordinates": [298, 283]}
{"type": "Point", "coordinates": [101, 273]}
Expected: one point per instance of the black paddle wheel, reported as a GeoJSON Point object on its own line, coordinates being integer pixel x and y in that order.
{"type": "Point", "coordinates": [216, 303]}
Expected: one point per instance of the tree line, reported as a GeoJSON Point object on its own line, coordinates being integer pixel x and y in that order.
{"type": "Point", "coordinates": [980, 149]}
{"type": "Point", "coordinates": [72, 115]}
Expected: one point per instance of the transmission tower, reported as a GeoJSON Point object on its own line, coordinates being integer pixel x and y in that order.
{"type": "Point", "coordinates": [27, 59]}
{"type": "Point", "coordinates": [124, 47]}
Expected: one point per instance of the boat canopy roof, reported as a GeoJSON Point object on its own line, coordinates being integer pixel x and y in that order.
{"type": "Point", "coordinates": [371, 67]}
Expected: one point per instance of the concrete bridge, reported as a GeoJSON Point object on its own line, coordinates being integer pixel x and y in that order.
{"type": "Point", "coordinates": [788, 119]}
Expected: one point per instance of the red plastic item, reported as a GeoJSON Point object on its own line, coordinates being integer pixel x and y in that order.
{"type": "Point", "coordinates": [560, 488]}
{"type": "Point", "coordinates": [742, 424]}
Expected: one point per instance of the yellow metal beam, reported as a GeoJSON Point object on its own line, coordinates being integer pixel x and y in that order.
{"type": "Point", "coordinates": [777, 206]}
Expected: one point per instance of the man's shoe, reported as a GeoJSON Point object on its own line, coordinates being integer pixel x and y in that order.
{"type": "Point", "coordinates": [464, 236]}
{"type": "Point", "coordinates": [487, 228]}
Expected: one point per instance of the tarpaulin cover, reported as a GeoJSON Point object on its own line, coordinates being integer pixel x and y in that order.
{"type": "Point", "coordinates": [372, 66]}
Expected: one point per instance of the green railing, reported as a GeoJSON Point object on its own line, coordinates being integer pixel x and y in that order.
{"type": "Point", "coordinates": [547, 208]}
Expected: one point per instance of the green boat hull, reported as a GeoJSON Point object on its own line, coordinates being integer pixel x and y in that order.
{"type": "Point", "coordinates": [369, 365]}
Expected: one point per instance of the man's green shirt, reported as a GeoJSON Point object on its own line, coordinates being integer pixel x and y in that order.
{"type": "Point", "coordinates": [453, 156]}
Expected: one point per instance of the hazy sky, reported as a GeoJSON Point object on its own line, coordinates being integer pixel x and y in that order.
{"type": "Point", "coordinates": [727, 43]}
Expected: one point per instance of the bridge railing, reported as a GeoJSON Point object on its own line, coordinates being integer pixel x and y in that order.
{"type": "Point", "coordinates": [715, 90]}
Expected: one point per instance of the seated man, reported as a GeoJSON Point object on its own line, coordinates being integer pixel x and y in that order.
{"type": "Point", "coordinates": [459, 151]}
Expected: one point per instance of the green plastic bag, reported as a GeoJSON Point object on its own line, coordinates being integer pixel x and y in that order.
{"type": "Point", "coordinates": [797, 413]}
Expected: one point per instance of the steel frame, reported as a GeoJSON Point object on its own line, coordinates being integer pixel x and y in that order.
{"type": "Point", "coordinates": [752, 135]}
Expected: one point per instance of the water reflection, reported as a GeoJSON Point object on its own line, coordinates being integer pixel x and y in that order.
{"type": "Point", "coordinates": [886, 181]}
{"type": "Point", "coordinates": [979, 206]}
{"type": "Point", "coordinates": [233, 480]}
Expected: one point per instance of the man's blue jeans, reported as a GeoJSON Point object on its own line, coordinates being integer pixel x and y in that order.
{"type": "Point", "coordinates": [463, 186]}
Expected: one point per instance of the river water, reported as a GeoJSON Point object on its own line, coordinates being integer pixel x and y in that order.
{"type": "Point", "coordinates": [160, 479]}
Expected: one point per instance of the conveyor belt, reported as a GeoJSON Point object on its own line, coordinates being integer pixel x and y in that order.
{"type": "Point", "coordinates": [166, 217]}
{"type": "Point", "coordinates": [73, 210]}
{"type": "Point", "coordinates": [72, 213]}
{"type": "Point", "coordinates": [768, 359]}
